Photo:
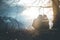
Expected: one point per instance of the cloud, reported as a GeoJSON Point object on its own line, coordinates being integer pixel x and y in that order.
{"type": "Point", "coordinates": [7, 9]}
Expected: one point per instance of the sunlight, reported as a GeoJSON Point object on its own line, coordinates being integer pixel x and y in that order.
{"type": "Point", "coordinates": [49, 13]}
{"type": "Point", "coordinates": [34, 8]}
{"type": "Point", "coordinates": [31, 13]}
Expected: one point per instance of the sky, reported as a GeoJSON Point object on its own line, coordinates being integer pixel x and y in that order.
{"type": "Point", "coordinates": [25, 11]}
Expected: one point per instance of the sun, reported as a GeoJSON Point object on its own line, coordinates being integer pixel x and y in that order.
{"type": "Point", "coordinates": [31, 13]}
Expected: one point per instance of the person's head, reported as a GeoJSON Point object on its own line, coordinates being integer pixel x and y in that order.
{"type": "Point", "coordinates": [40, 16]}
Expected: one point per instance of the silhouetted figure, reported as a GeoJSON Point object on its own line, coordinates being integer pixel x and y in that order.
{"type": "Point", "coordinates": [45, 23]}
{"type": "Point", "coordinates": [37, 22]}
{"type": "Point", "coordinates": [41, 23]}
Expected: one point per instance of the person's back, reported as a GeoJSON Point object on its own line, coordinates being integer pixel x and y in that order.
{"type": "Point", "coordinates": [45, 23]}
{"type": "Point", "coordinates": [41, 23]}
